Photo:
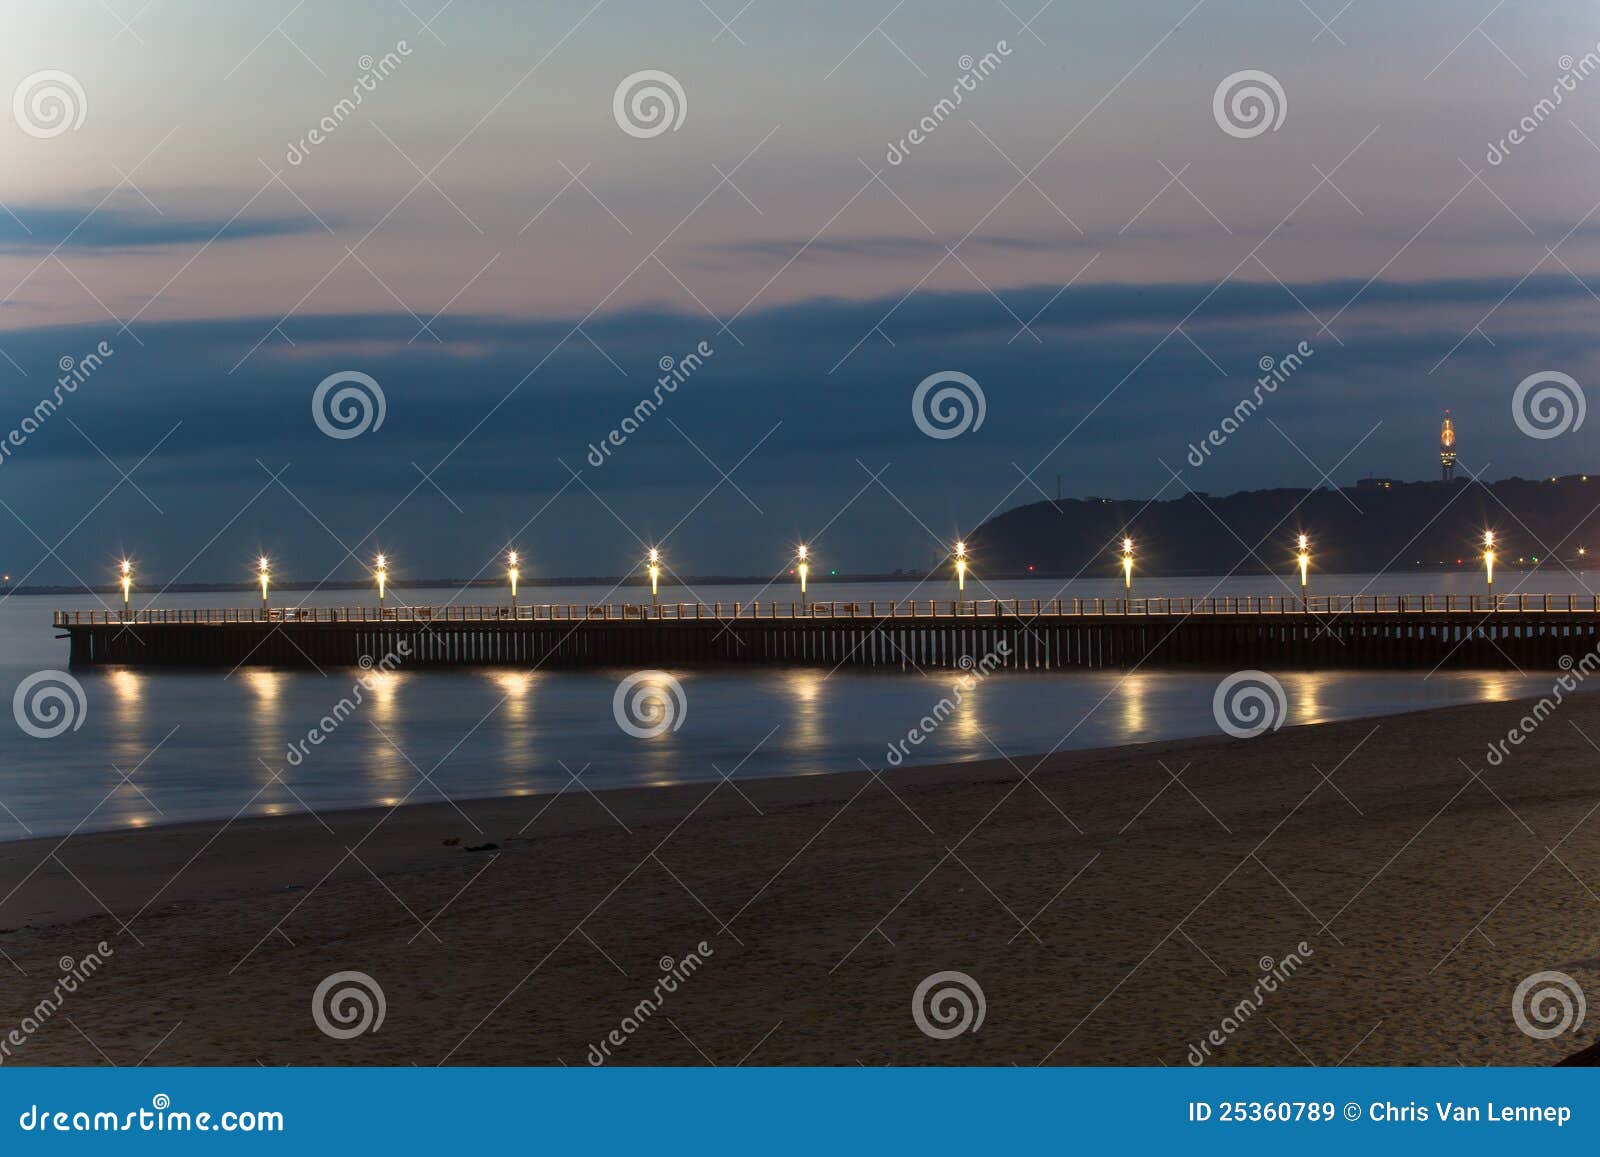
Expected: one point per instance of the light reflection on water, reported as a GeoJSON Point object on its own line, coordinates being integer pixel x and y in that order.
{"type": "Point", "coordinates": [1131, 695]}
{"type": "Point", "coordinates": [203, 745]}
{"type": "Point", "coordinates": [377, 726]}
{"type": "Point", "coordinates": [490, 732]}
{"type": "Point", "coordinates": [516, 690]}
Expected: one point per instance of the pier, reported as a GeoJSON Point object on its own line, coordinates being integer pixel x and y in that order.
{"type": "Point", "coordinates": [1526, 632]}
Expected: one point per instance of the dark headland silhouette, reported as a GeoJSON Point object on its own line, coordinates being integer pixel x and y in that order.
{"type": "Point", "coordinates": [1379, 524]}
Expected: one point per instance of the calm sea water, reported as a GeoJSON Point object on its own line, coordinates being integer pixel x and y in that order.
{"type": "Point", "coordinates": [162, 747]}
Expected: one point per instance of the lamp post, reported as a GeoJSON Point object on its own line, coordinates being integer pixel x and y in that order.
{"type": "Point", "coordinates": [655, 578]}
{"type": "Point", "coordinates": [127, 585]}
{"type": "Point", "coordinates": [382, 571]}
{"type": "Point", "coordinates": [263, 571]}
{"type": "Point", "coordinates": [1488, 564]}
{"type": "Point", "coordinates": [1127, 565]}
{"type": "Point", "coordinates": [961, 568]}
{"type": "Point", "coordinates": [803, 566]}
{"type": "Point", "coordinates": [1305, 567]}
{"type": "Point", "coordinates": [512, 572]}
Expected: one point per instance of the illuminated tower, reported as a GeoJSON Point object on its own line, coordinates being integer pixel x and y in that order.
{"type": "Point", "coordinates": [1447, 449]}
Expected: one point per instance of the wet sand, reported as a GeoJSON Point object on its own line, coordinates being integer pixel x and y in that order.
{"type": "Point", "coordinates": [1114, 907]}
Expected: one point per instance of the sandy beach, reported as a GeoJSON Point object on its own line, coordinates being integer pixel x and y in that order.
{"type": "Point", "coordinates": [1114, 907]}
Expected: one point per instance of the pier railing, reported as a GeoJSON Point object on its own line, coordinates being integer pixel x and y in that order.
{"type": "Point", "coordinates": [1154, 607]}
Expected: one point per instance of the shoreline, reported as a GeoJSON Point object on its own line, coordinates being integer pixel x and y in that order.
{"type": "Point", "coordinates": [804, 789]}
{"type": "Point", "coordinates": [1114, 906]}
{"type": "Point", "coordinates": [650, 802]}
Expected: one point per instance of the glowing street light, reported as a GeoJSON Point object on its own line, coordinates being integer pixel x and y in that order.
{"type": "Point", "coordinates": [1127, 564]}
{"type": "Point", "coordinates": [382, 572]}
{"type": "Point", "coordinates": [512, 572]}
{"type": "Point", "coordinates": [961, 566]}
{"type": "Point", "coordinates": [802, 555]}
{"type": "Point", "coordinates": [1304, 558]}
{"type": "Point", "coordinates": [655, 574]}
{"type": "Point", "coordinates": [264, 571]}
{"type": "Point", "coordinates": [1488, 559]}
{"type": "Point", "coordinates": [127, 585]}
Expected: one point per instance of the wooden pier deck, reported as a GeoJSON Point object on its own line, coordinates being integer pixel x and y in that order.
{"type": "Point", "coordinates": [1525, 632]}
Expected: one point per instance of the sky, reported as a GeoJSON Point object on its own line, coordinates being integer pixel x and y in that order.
{"type": "Point", "coordinates": [507, 256]}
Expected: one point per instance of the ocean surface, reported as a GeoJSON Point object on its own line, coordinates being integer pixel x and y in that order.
{"type": "Point", "coordinates": [161, 747]}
